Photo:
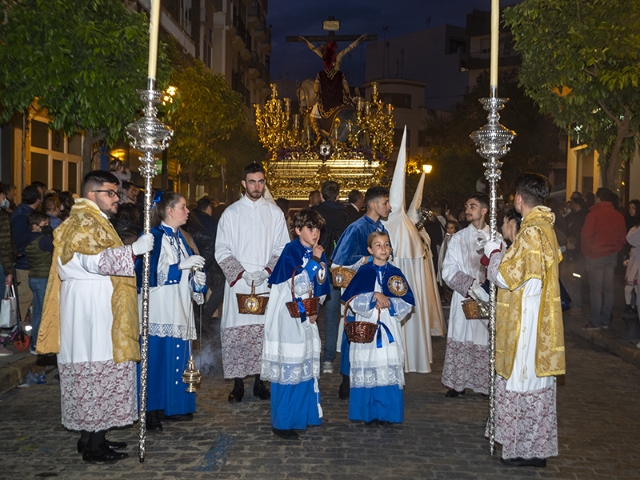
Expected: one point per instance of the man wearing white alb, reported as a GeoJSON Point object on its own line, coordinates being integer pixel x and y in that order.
{"type": "Point", "coordinates": [251, 235]}
{"type": "Point", "coordinates": [466, 361]}
{"type": "Point", "coordinates": [529, 330]}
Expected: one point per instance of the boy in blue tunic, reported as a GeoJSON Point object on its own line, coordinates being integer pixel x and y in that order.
{"type": "Point", "coordinates": [291, 351]}
{"type": "Point", "coordinates": [379, 292]}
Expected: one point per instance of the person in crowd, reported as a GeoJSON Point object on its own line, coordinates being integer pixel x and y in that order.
{"type": "Point", "coordinates": [39, 253]}
{"type": "Point", "coordinates": [336, 221]}
{"type": "Point", "coordinates": [529, 329]}
{"type": "Point", "coordinates": [632, 215]}
{"type": "Point", "coordinates": [67, 199]}
{"type": "Point", "coordinates": [204, 229]}
{"type": "Point", "coordinates": [176, 277]}
{"type": "Point", "coordinates": [291, 354]}
{"type": "Point", "coordinates": [127, 223]}
{"type": "Point", "coordinates": [90, 320]}
{"type": "Point", "coordinates": [7, 253]}
{"type": "Point", "coordinates": [351, 252]}
{"type": "Point", "coordinates": [589, 200]}
{"type": "Point", "coordinates": [10, 192]}
{"type": "Point", "coordinates": [466, 361]}
{"type": "Point", "coordinates": [220, 206]}
{"type": "Point", "coordinates": [451, 228]}
{"type": "Point", "coordinates": [603, 236]}
{"type": "Point", "coordinates": [31, 200]}
{"type": "Point", "coordinates": [130, 192]}
{"type": "Point", "coordinates": [378, 292]}
{"type": "Point", "coordinates": [354, 208]}
{"type": "Point", "coordinates": [284, 204]}
{"type": "Point", "coordinates": [42, 188]}
{"type": "Point", "coordinates": [52, 208]}
{"type": "Point", "coordinates": [121, 173]}
{"type": "Point", "coordinates": [251, 235]}
{"type": "Point", "coordinates": [314, 198]}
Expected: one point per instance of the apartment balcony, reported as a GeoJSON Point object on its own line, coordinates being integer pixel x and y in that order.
{"type": "Point", "coordinates": [254, 15]}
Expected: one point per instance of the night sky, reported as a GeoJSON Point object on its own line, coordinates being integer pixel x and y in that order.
{"type": "Point", "coordinates": [303, 17]}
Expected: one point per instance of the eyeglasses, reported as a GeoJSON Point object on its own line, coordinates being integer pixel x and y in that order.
{"type": "Point", "coordinates": [111, 193]}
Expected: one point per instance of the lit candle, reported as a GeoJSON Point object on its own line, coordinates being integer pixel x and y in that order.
{"type": "Point", "coordinates": [495, 41]}
{"type": "Point", "coordinates": [296, 121]}
{"type": "Point", "coordinates": [154, 26]}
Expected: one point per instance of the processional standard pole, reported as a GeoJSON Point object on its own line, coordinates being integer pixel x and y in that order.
{"type": "Point", "coordinates": [149, 136]}
{"type": "Point", "coordinates": [492, 141]}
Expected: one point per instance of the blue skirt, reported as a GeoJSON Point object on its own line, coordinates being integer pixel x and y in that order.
{"type": "Point", "coordinates": [377, 403]}
{"type": "Point", "coordinates": [294, 407]}
{"type": "Point", "coordinates": [168, 358]}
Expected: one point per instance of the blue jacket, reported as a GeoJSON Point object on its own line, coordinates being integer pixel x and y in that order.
{"type": "Point", "coordinates": [21, 234]}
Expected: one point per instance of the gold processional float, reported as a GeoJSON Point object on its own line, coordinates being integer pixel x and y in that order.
{"type": "Point", "coordinates": [352, 150]}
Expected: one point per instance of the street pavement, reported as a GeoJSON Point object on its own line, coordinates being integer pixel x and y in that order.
{"type": "Point", "coordinates": [598, 413]}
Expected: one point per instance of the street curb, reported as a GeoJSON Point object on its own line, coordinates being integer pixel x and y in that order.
{"type": "Point", "coordinates": [626, 351]}
{"type": "Point", "coordinates": [15, 373]}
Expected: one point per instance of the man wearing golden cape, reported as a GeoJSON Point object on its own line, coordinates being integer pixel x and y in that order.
{"type": "Point", "coordinates": [529, 330]}
{"type": "Point", "coordinates": [90, 319]}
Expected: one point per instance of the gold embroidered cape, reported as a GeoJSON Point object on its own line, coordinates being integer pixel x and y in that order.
{"type": "Point", "coordinates": [534, 254]}
{"type": "Point", "coordinates": [88, 232]}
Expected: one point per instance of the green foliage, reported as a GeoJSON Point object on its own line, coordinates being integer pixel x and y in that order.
{"type": "Point", "coordinates": [581, 63]}
{"type": "Point", "coordinates": [209, 113]}
{"type": "Point", "coordinates": [456, 164]}
{"type": "Point", "coordinates": [81, 59]}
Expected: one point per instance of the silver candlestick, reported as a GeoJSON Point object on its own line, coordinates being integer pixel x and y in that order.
{"type": "Point", "coordinates": [149, 136]}
{"type": "Point", "coordinates": [492, 141]}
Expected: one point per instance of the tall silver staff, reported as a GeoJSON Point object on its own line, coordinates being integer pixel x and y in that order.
{"type": "Point", "coordinates": [149, 136]}
{"type": "Point", "coordinates": [492, 141]}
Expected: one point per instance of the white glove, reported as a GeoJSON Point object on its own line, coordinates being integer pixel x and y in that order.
{"type": "Point", "coordinates": [492, 246]}
{"type": "Point", "coordinates": [477, 293]}
{"type": "Point", "coordinates": [143, 244]}
{"type": "Point", "coordinates": [194, 261]}
{"type": "Point", "coordinates": [259, 277]}
{"type": "Point", "coordinates": [247, 277]}
{"type": "Point", "coordinates": [200, 278]}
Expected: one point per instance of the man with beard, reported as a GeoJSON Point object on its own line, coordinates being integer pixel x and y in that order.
{"type": "Point", "coordinates": [466, 361]}
{"type": "Point", "coordinates": [251, 235]}
{"type": "Point", "coordinates": [90, 319]}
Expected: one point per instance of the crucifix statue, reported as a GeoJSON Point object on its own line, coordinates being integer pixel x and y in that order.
{"type": "Point", "coordinates": [330, 88]}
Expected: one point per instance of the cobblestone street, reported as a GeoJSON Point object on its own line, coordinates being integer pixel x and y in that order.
{"type": "Point", "coordinates": [599, 425]}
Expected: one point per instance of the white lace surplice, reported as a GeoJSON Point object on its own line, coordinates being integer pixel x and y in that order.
{"type": "Point", "coordinates": [291, 352]}
{"type": "Point", "coordinates": [372, 366]}
{"type": "Point", "coordinates": [96, 393]}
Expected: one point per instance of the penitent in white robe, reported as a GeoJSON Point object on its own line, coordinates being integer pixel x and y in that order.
{"type": "Point", "coordinates": [96, 393]}
{"type": "Point", "coordinates": [251, 236]}
{"type": "Point", "coordinates": [466, 361]}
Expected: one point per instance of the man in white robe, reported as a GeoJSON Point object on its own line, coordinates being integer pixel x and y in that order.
{"type": "Point", "coordinates": [466, 361]}
{"type": "Point", "coordinates": [529, 330]}
{"type": "Point", "coordinates": [91, 319]}
{"type": "Point", "coordinates": [251, 235]}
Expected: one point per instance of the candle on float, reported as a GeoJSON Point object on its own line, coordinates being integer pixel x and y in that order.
{"type": "Point", "coordinates": [154, 26]}
{"type": "Point", "coordinates": [495, 41]}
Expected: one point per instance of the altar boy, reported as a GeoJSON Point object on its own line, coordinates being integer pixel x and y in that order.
{"type": "Point", "coordinates": [379, 292]}
{"type": "Point", "coordinates": [291, 352]}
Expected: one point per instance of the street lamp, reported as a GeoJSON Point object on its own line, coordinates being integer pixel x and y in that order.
{"type": "Point", "coordinates": [426, 168]}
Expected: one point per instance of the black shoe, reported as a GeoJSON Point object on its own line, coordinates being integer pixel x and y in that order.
{"type": "Point", "coordinates": [186, 417]}
{"type": "Point", "coordinates": [345, 388]}
{"type": "Point", "coordinates": [103, 454]}
{"type": "Point", "coordinates": [112, 445]}
{"type": "Point", "coordinates": [372, 423]}
{"type": "Point", "coordinates": [525, 462]}
{"type": "Point", "coordinates": [286, 434]}
{"type": "Point", "coordinates": [153, 422]}
{"type": "Point", "coordinates": [384, 422]}
{"type": "Point", "coordinates": [237, 393]}
{"type": "Point", "coordinates": [260, 390]}
{"type": "Point", "coordinates": [451, 393]}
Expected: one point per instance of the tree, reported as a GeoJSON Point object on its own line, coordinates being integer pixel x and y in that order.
{"type": "Point", "coordinates": [581, 63]}
{"type": "Point", "coordinates": [209, 112]}
{"type": "Point", "coordinates": [82, 60]}
{"type": "Point", "coordinates": [456, 164]}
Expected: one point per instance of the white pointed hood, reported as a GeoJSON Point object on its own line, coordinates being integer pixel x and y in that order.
{"type": "Point", "coordinates": [412, 212]}
{"type": "Point", "coordinates": [405, 239]}
{"type": "Point", "coordinates": [266, 194]}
